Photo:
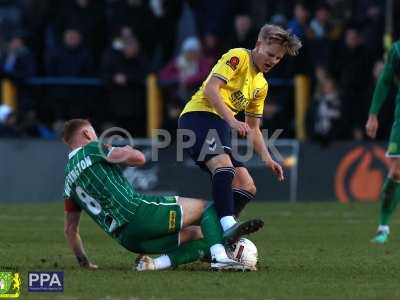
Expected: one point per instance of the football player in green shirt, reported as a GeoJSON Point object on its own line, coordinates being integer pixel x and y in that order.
{"type": "Point", "coordinates": [390, 195]}
{"type": "Point", "coordinates": [185, 229]}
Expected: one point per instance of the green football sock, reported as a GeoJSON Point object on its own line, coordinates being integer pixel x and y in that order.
{"type": "Point", "coordinates": [194, 250]}
{"type": "Point", "coordinates": [390, 196]}
{"type": "Point", "coordinates": [211, 227]}
{"type": "Point", "coordinates": [189, 252]}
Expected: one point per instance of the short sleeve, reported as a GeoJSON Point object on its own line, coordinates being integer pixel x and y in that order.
{"type": "Point", "coordinates": [256, 107]}
{"type": "Point", "coordinates": [71, 206]}
{"type": "Point", "coordinates": [229, 65]}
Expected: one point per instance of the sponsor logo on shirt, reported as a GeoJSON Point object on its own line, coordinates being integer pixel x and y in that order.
{"type": "Point", "coordinates": [172, 220]}
{"type": "Point", "coordinates": [233, 62]}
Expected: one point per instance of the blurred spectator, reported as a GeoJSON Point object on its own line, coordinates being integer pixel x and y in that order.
{"type": "Point", "coordinates": [325, 116]}
{"type": "Point", "coordinates": [125, 74]}
{"type": "Point", "coordinates": [213, 21]}
{"type": "Point", "coordinates": [137, 15]}
{"type": "Point", "coordinates": [299, 24]}
{"type": "Point", "coordinates": [212, 46]}
{"type": "Point", "coordinates": [88, 17]}
{"type": "Point", "coordinates": [244, 35]}
{"type": "Point", "coordinates": [353, 72]}
{"type": "Point", "coordinates": [320, 25]}
{"type": "Point", "coordinates": [279, 19]}
{"type": "Point", "coordinates": [8, 122]}
{"type": "Point", "coordinates": [373, 30]}
{"type": "Point", "coordinates": [72, 59]}
{"type": "Point", "coordinates": [30, 126]}
{"type": "Point", "coordinates": [17, 64]}
{"type": "Point", "coordinates": [10, 18]}
{"type": "Point", "coordinates": [320, 42]}
{"type": "Point", "coordinates": [167, 15]}
{"type": "Point", "coordinates": [182, 76]}
{"type": "Point", "coordinates": [36, 15]}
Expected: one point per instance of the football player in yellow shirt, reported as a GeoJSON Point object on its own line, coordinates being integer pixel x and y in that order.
{"type": "Point", "coordinates": [236, 83]}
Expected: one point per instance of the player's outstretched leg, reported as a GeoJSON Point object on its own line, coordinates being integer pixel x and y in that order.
{"type": "Point", "coordinates": [194, 250]}
{"type": "Point", "coordinates": [212, 232]}
{"type": "Point", "coordinates": [188, 252]}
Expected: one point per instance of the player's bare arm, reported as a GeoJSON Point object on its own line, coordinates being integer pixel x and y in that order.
{"type": "Point", "coordinates": [71, 231]}
{"type": "Point", "coordinates": [127, 155]}
{"type": "Point", "coordinates": [212, 92]}
{"type": "Point", "coordinates": [256, 137]}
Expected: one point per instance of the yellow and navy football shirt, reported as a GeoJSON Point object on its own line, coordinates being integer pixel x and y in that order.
{"type": "Point", "coordinates": [245, 88]}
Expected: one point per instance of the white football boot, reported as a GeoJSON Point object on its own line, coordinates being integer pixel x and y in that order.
{"type": "Point", "coordinates": [228, 264]}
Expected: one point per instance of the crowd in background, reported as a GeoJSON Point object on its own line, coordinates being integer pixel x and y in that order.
{"type": "Point", "coordinates": [120, 42]}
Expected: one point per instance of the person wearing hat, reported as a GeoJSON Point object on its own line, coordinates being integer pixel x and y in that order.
{"type": "Point", "coordinates": [182, 76]}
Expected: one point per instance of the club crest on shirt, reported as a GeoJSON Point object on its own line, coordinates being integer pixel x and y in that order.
{"type": "Point", "coordinates": [233, 62]}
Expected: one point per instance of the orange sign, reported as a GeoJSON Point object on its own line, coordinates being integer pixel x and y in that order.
{"type": "Point", "coordinates": [357, 176]}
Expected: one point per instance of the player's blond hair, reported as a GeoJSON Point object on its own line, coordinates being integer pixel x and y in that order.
{"type": "Point", "coordinates": [273, 34]}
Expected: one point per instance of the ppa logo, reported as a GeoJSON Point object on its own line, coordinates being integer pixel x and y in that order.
{"type": "Point", "coordinates": [46, 281]}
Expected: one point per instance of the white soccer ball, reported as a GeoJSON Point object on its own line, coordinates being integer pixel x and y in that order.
{"type": "Point", "coordinates": [244, 251]}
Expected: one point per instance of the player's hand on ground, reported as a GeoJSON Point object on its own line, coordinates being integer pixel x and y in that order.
{"type": "Point", "coordinates": [85, 263]}
{"type": "Point", "coordinates": [276, 169]}
{"type": "Point", "coordinates": [372, 126]}
{"type": "Point", "coordinates": [90, 266]}
{"type": "Point", "coordinates": [241, 127]}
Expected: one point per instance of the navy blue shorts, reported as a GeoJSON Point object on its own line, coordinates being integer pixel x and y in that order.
{"type": "Point", "coordinates": [213, 136]}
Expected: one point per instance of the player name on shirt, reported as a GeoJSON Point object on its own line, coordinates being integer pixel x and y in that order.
{"type": "Point", "coordinates": [75, 172]}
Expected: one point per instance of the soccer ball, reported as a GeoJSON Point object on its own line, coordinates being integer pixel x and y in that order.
{"type": "Point", "coordinates": [244, 251]}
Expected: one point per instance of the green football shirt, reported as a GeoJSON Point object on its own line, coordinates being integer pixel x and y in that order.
{"type": "Point", "coordinates": [99, 187]}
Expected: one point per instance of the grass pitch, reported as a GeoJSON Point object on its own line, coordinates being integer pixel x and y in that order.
{"type": "Point", "coordinates": [307, 251]}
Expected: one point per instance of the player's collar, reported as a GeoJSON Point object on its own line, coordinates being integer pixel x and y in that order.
{"type": "Point", "coordinates": [252, 61]}
{"type": "Point", "coordinates": [73, 152]}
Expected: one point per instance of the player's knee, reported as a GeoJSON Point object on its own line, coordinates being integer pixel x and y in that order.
{"type": "Point", "coordinates": [223, 175]}
{"type": "Point", "coordinates": [249, 187]}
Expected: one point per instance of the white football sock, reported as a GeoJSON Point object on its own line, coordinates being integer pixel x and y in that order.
{"type": "Point", "coordinates": [218, 252]}
{"type": "Point", "coordinates": [227, 222]}
{"type": "Point", "coordinates": [384, 228]}
{"type": "Point", "coordinates": [162, 262]}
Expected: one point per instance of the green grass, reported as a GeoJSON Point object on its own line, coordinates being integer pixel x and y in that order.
{"type": "Point", "coordinates": [307, 251]}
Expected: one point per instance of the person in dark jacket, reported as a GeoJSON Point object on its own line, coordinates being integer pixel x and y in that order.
{"type": "Point", "coordinates": [71, 59]}
{"type": "Point", "coordinates": [125, 74]}
{"type": "Point", "coordinates": [17, 63]}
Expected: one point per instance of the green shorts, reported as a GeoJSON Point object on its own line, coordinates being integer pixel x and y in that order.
{"type": "Point", "coordinates": [394, 142]}
{"type": "Point", "coordinates": [155, 227]}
